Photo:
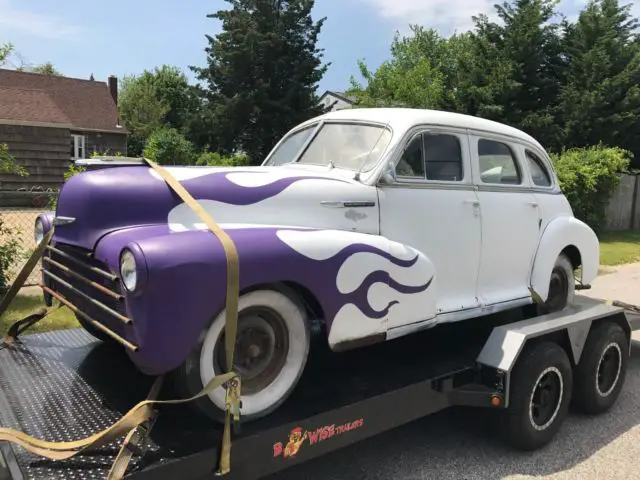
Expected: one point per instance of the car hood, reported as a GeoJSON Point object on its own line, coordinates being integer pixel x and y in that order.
{"type": "Point", "coordinates": [98, 202]}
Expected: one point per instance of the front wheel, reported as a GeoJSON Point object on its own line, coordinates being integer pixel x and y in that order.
{"type": "Point", "coordinates": [272, 346]}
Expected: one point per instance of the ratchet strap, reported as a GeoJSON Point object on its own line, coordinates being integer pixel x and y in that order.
{"type": "Point", "coordinates": [142, 413]}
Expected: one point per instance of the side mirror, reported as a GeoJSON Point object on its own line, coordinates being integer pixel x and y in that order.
{"type": "Point", "coordinates": [389, 174]}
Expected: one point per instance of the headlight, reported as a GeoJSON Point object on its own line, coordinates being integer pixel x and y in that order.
{"type": "Point", "coordinates": [38, 231]}
{"type": "Point", "coordinates": [128, 270]}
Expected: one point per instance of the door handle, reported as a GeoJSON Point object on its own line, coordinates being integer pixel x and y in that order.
{"type": "Point", "coordinates": [533, 204]}
{"type": "Point", "coordinates": [475, 203]}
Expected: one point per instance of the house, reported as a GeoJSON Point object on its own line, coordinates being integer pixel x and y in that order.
{"type": "Point", "coordinates": [336, 101]}
{"type": "Point", "coordinates": [46, 121]}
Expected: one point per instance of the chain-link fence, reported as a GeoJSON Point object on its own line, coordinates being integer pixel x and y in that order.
{"type": "Point", "coordinates": [17, 241]}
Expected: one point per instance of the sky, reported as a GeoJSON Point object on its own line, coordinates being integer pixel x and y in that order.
{"type": "Point", "coordinates": [120, 37]}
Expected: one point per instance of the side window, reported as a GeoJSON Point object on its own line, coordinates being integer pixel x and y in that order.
{"type": "Point", "coordinates": [539, 173]}
{"type": "Point", "coordinates": [411, 163]}
{"type": "Point", "coordinates": [498, 163]}
{"type": "Point", "coordinates": [443, 156]}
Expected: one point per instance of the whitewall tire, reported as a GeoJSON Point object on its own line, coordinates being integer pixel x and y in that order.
{"type": "Point", "coordinates": [272, 346]}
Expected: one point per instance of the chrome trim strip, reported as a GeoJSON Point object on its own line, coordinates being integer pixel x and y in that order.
{"type": "Point", "coordinates": [347, 203]}
{"type": "Point", "coordinates": [57, 221]}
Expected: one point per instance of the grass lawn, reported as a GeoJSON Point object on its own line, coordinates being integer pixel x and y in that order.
{"type": "Point", "coordinates": [619, 247]}
{"type": "Point", "coordinates": [24, 305]}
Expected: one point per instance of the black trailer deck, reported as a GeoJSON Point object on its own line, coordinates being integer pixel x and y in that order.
{"type": "Point", "coordinates": [65, 385]}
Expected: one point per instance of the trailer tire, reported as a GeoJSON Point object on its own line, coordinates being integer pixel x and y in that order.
{"type": "Point", "coordinates": [542, 367]}
{"type": "Point", "coordinates": [600, 374]}
{"type": "Point", "coordinates": [282, 332]}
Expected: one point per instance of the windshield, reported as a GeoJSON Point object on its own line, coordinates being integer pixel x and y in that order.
{"type": "Point", "coordinates": [344, 145]}
{"type": "Point", "coordinates": [286, 152]}
{"type": "Point", "coordinates": [351, 146]}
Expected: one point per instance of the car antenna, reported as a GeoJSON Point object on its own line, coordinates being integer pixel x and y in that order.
{"type": "Point", "coordinates": [356, 177]}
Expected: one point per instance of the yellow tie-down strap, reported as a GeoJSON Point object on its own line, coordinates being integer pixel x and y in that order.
{"type": "Point", "coordinates": [142, 412]}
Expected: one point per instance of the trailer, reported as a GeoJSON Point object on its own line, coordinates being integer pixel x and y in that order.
{"type": "Point", "coordinates": [65, 385]}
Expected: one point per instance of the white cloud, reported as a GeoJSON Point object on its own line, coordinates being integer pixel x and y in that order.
{"type": "Point", "coordinates": [447, 15]}
{"type": "Point", "coordinates": [455, 15]}
{"type": "Point", "coordinates": [18, 19]}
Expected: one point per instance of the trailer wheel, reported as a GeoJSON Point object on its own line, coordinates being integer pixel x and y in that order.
{"type": "Point", "coordinates": [272, 346]}
{"type": "Point", "coordinates": [541, 386]}
{"type": "Point", "coordinates": [602, 369]}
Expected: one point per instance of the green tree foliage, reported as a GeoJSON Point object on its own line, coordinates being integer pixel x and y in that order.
{"type": "Point", "coordinates": [6, 49]}
{"type": "Point", "coordinates": [261, 74]}
{"type": "Point", "coordinates": [588, 177]}
{"type": "Point", "coordinates": [424, 72]}
{"type": "Point", "coordinates": [44, 69]}
{"type": "Point", "coordinates": [600, 101]}
{"type": "Point", "coordinates": [156, 98]}
{"type": "Point", "coordinates": [167, 146]}
{"type": "Point", "coordinates": [214, 159]}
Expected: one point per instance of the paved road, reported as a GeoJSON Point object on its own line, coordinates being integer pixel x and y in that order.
{"type": "Point", "coordinates": [459, 444]}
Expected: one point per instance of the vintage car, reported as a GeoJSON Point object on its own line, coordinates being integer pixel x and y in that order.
{"type": "Point", "coordinates": [372, 223]}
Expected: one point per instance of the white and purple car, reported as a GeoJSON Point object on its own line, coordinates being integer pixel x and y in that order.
{"type": "Point", "coordinates": [374, 223]}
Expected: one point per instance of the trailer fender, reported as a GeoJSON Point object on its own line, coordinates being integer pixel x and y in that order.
{"type": "Point", "coordinates": [506, 342]}
{"type": "Point", "coordinates": [568, 235]}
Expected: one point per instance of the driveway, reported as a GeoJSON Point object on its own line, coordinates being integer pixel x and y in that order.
{"type": "Point", "coordinates": [459, 444]}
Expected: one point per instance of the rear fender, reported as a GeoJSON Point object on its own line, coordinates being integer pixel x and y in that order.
{"type": "Point", "coordinates": [561, 233]}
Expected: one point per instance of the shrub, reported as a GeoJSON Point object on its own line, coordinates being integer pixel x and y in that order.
{"type": "Point", "coordinates": [9, 251]}
{"type": "Point", "coordinates": [588, 177]}
{"type": "Point", "coordinates": [8, 163]}
{"type": "Point", "coordinates": [167, 146]}
{"type": "Point", "coordinates": [214, 159]}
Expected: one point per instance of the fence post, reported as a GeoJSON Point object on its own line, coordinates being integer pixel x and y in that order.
{"type": "Point", "coordinates": [634, 202]}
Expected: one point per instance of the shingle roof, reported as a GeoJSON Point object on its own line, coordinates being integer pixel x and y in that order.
{"type": "Point", "coordinates": [32, 97]}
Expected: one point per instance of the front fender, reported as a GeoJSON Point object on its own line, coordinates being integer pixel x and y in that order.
{"type": "Point", "coordinates": [560, 233]}
{"type": "Point", "coordinates": [185, 281]}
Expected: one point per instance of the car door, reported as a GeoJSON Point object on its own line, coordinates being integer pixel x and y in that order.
{"type": "Point", "coordinates": [510, 219]}
{"type": "Point", "coordinates": [431, 205]}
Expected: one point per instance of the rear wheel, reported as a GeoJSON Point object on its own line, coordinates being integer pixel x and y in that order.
{"type": "Point", "coordinates": [561, 286]}
{"type": "Point", "coordinates": [272, 345]}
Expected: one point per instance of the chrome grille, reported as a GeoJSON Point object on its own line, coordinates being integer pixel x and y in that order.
{"type": "Point", "coordinates": [86, 282]}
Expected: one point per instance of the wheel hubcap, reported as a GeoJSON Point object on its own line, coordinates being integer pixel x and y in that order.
{"type": "Point", "coordinates": [546, 398]}
{"type": "Point", "coordinates": [261, 347]}
{"type": "Point", "coordinates": [609, 369]}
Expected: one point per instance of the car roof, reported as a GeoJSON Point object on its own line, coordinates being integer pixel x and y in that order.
{"type": "Point", "coordinates": [407, 117]}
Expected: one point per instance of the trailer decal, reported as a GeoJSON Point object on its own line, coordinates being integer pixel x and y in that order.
{"type": "Point", "coordinates": [297, 437]}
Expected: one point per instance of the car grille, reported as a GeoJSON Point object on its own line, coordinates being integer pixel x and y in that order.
{"type": "Point", "coordinates": [86, 283]}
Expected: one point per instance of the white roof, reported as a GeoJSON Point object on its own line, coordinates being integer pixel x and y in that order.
{"type": "Point", "coordinates": [407, 117]}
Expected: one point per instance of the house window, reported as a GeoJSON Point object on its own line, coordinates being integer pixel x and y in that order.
{"type": "Point", "coordinates": [78, 143]}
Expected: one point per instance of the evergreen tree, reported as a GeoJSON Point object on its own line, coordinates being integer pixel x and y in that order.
{"type": "Point", "coordinates": [262, 74]}
{"type": "Point", "coordinates": [515, 73]}
{"type": "Point", "coordinates": [600, 102]}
